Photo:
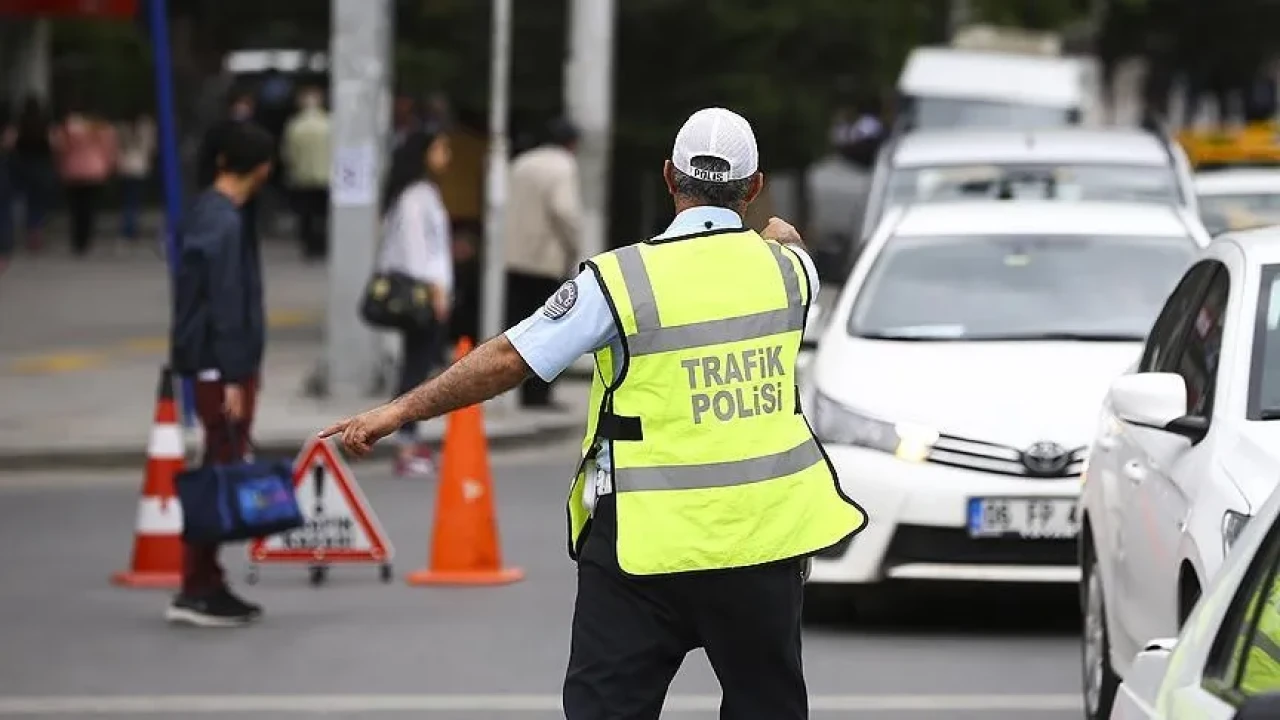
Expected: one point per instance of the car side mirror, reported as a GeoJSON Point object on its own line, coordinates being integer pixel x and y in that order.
{"type": "Point", "coordinates": [1259, 707]}
{"type": "Point", "coordinates": [1157, 401]}
{"type": "Point", "coordinates": [814, 326]}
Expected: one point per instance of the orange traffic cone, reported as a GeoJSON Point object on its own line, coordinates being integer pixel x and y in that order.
{"type": "Point", "coordinates": [157, 545]}
{"type": "Point", "coordinates": [464, 542]}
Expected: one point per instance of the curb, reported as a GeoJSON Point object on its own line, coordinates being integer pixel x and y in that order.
{"type": "Point", "coordinates": [117, 458]}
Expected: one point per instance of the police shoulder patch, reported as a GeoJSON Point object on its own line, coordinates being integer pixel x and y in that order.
{"type": "Point", "coordinates": [562, 301]}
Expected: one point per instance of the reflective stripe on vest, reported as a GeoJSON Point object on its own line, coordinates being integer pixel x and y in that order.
{"type": "Point", "coordinates": [713, 465]}
{"type": "Point", "coordinates": [654, 338]}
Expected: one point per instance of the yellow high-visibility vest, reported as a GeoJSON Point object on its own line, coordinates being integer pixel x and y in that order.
{"type": "Point", "coordinates": [714, 466]}
{"type": "Point", "coordinates": [1261, 672]}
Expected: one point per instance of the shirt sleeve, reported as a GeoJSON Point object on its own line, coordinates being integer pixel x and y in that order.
{"type": "Point", "coordinates": [412, 230]}
{"type": "Point", "coordinates": [440, 243]}
{"type": "Point", "coordinates": [226, 277]}
{"type": "Point", "coordinates": [810, 271]}
{"type": "Point", "coordinates": [575, 321]}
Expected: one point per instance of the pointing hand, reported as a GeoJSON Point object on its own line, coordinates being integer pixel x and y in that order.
{"type": "Point", "coordinates": [360, 433]}
{"type": "Point", "coordinates": [781, 231]}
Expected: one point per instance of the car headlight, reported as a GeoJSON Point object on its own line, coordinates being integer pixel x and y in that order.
{"type": "Point", "coordinates": [1233, 523]}
{"type": "Point", "coordinates": [838, 425]}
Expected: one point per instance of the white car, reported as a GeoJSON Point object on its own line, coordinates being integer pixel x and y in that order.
{"type": "Point", "coordinates": [1223, 665]}
{"type": "Point", "coordinates": [1124, 164]}
{"type": "Point", "coordinates": [956, 384]}
{"type": "Point", "coordinates": [1238, 199]}
{"type": "Point", "coordinates": [1187, 448]}
{"type": "Point", "coordinates": [945, 87]}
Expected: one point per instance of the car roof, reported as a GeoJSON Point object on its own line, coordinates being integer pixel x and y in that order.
{"type": "Point", "coordinates": [1232, 182]}
{"type": "Point", "coordinates": [997, 76]}
{"type": "Point", "coordinates": [1260, 246]}
{"type": "Point", "coordinates": [1089, 146]}
{"type": "Point", "coordinates": [1052, 217]}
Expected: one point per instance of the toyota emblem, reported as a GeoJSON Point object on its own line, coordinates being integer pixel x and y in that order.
{"type": "Point", "coordinates": [1046, 459]}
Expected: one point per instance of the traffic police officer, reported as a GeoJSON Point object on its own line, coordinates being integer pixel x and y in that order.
{"type": "Point", "coordinates": [701, 490]}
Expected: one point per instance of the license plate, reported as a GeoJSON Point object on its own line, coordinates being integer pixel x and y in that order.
{"type": "Point", "coordinates": [1030, 518]}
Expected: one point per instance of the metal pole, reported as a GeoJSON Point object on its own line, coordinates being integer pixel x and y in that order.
{"type": "Point", "coordinates": [494, 302]}
{"type": "Point", "coordinates": [360, 70]}
{"type": "Point", "coordinates": [170, 171]}
{"type": "Point", "coordinates": [37, 65]}
{"type": "Point", "coordinates": [959, 16]}
{"type": "Point", "coordinates": [589, 98]}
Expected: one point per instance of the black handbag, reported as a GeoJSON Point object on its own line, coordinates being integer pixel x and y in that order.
{"type": "Point", "coordinates": [395, 301]}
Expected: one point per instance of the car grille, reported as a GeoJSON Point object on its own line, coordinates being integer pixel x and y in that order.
{"type": "Point", "coordinates": [920, 544]}
{"type": "Point", "coordinates": [989, 457]}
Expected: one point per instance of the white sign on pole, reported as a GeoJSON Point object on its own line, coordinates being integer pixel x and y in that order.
{"type": "Point", "coordinates": [354, 181]}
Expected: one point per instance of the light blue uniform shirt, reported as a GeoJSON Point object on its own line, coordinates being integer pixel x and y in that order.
{"type": "Point", "coordinates": [549, 346]}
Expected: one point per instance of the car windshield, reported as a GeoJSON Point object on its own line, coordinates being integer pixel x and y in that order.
{"type": "Point", "coordinates": [1123, 183]}
{"type": "Point", "coordinates": [1018, 287]}
{"type": "Point", "coordinates": [1239, 211]}
{"type": "Point", "coordinates": [933, 112]}
{"type": "Point", "coordinates": [1264, 384]}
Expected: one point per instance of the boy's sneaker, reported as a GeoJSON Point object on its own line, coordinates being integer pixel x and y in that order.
{"type": "Point", "coordinates": [217, 609]}
{"type": "Point", "coordinates": [252, 610]}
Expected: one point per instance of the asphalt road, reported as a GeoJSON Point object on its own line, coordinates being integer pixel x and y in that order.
{"type": "Point", "coordinates": [71, 645]}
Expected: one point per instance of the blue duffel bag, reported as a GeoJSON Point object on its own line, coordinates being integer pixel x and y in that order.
{"type": "Point", "coordinates": [238, 501]}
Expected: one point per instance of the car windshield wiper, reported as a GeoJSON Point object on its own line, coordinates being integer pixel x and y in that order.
{"type": "Point", "coordinates": [1269, 414]}
{"type": "Point", "coordinates": [1056, 336]}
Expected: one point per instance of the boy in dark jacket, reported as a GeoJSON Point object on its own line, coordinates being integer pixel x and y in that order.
{"type": "Point", "coordinates": [219, 334]}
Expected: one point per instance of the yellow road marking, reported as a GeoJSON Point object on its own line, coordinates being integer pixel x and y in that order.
{"type": "Point", "coordinates": [73, 360]}
{"type": "Point", "coordinates": [58, 363]}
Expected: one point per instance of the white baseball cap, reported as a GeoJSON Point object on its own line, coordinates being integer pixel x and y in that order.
{"type": "Point", "coordinates": [718, 133]}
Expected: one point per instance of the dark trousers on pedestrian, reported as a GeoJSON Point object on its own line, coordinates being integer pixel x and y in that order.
{"type": "Point", "coordinates": [82, 204]}
{"type": "Point", "coordinates": [631, 634]}
{"type": "Point", "coordinates": [421, 353]}
{"type": "Point", "coordinates": [201, 571]}
{"type": "Point", "coordinates": [131, 189]}
{"type": "Point", "coordinates": [525, 295]}
{"type": "Point", "coordinates": [312, 208]}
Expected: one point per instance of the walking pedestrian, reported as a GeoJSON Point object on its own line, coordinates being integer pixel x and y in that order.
{"type": "Point", "coordinates": [701, 492]}
{"type": "Point", "coordinates": [34, 177]}
{"type": "Point", "coordinates": [137, 153]}
{"type": "Point", "coordinates": [542, 227]}
{"type": "Point", "coordinates": [218, 337]}
{"type": "Point", "coordinates": [306, 159]}
{"type": "Point", "coordinates": [240, 110]}
{"type": "Point", "coordinates": [8, 134]}
{"type": "Point", "coordinates": [416, 242]}
{"type": "Point", "coordinates": [86, 148]}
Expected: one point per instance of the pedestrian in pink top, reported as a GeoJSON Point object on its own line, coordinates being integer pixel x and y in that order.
{"type": "Point", "coordinates": [85, 146]}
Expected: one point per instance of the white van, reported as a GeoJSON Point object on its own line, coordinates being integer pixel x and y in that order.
{"type": "Point", "coordinates": [943, 87]}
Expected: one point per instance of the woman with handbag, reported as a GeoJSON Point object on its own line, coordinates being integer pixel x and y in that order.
{"type": "Point", "coordinates": [415, 261]}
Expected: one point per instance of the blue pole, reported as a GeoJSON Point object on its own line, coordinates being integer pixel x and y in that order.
{"type": "Point", "coordinates": [169, 168]}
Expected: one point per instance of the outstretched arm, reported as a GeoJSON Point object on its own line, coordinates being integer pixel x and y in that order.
{"type": "Point", "coordinates": [490, 370]}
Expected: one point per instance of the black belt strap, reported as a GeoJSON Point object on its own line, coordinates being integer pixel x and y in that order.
{"type": "Point", "coordinates": [619, 427]}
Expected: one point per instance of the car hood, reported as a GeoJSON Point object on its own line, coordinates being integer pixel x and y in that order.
{"type": "Point", "coordinates": [1011, 393]}
{"type": "Point", "coordinates": [1253, 462]}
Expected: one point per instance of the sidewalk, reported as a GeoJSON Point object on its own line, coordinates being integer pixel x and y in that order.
{"type": "Point", "coordinates": [82, 342]}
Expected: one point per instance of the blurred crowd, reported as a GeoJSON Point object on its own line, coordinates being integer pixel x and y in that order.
{"type": "Point", "coordinates": [74, 157]}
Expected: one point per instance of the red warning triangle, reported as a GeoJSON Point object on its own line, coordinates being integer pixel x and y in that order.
{"type": "Point", "coordinates": [340, 526]}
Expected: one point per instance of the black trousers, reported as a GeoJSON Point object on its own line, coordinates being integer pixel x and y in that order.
{"type": "Point", "coordinates": [312, 207]}
{"type": "Point", "coordinates": [631, 634]}
{"type": "Point", "coordinates": [82, 204]}
{"type": "Point", "coordinates": [422, 353]}
{"type": "Point", "coordinates": [526, 294]}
